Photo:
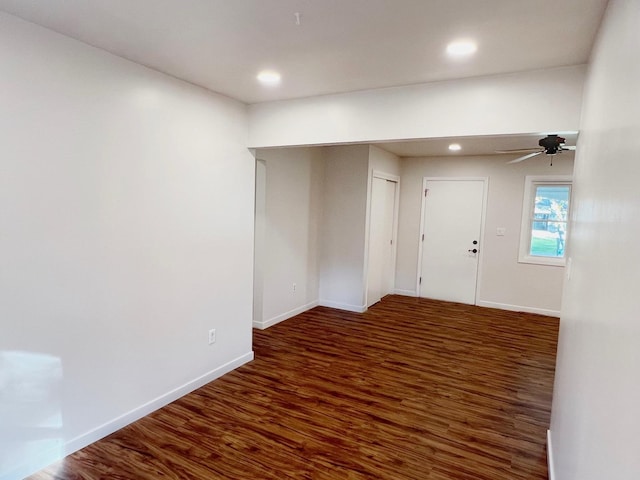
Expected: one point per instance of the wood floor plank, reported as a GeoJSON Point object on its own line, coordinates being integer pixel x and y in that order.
{"type": "Point", "coordinates": [411, 389]}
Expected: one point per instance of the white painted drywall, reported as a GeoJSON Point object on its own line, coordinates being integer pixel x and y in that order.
{"type": "Point", "coordinates": [382, 161]}
{"type": "Point", "coordinates": [293, 212]}
{"type": "Point", "coordinates": [504, 283]}
{"type": "Point", "coordinates": [126, 203]}
{"type": "Point", "coordinates": [538, 101]}
{"type": "Point", "coordinates": [595, 418]}
{"type": "Point", "coordinates": [342, 277]}
{"type": "Point", "coordinates": [259, 244]}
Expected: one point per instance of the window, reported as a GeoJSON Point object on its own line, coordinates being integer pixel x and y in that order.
{"type": "Point", "coordinates": [545, 218]}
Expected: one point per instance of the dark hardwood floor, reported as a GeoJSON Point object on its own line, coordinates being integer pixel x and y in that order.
{"type": "Point", "coordinates": [412, 389]}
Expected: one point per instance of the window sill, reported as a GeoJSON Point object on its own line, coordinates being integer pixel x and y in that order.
{"type": "Point", "coordinates": [548, 261]}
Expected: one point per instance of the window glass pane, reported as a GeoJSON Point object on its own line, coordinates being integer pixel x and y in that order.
{"type": "Point", "coordinates": [547, 239]}
{"type": "Point", "coordinates": [549, 220]}
{"type": "Point", "coordinates": [552, 202]}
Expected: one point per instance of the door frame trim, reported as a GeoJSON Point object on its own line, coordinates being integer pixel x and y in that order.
{"type": "Point", "coordinates": [485, 196]}
{"type": "Point", "coordinates": [396, 213]}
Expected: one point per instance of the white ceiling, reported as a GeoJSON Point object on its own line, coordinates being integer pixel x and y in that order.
{"type": "Point", "coordinates": [341, 45]}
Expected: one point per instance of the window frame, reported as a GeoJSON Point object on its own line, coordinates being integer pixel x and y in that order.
{"type": "Point", "coordinates": [528, 207]}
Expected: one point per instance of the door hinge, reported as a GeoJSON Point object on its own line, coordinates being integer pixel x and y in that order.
{"type": "Point", "coordinates": [423, 237]}
{"type": "Point", "coordinates": [420, 281]}
{"type": "Point", "coordinates": [391, 242]}
{"type": "Point", "coordinates": [426, 190]}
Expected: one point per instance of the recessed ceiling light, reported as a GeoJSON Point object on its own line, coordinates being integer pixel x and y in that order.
{"type": "Point", "coordinates": [455, 147]}
{"type": "Point", "coordinates": [269, 77]}
{"type": "Point", "coordinates": [461, 48]}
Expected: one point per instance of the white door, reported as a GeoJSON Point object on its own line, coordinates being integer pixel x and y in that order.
{"type": "Point", "coordinates": [381, 273]}
{"type": "Point", "coordinates": [452, 222]}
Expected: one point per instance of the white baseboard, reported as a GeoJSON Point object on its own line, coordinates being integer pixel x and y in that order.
{"type": "Point", "coordinates": [550, 464]}
{"type": "Point", "coordinates": [285, 316]}
{"type": "Point", "coordinates": [406, 293]}
{"type": "Point", "coordinates": [153, 405]}
{"type": "Point", "coordinates": [343, 306]}
{"type": "Point", "coordinates": [519, 308]}
{"type": "Point", "coordinates": [46, 458]}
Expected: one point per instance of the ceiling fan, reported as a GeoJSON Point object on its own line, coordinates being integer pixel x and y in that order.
{"type": "Point", "coordinates": [549, 145]}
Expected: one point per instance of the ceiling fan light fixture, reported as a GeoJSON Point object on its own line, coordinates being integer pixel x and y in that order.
{"type": "Point", "coordinates": [455, 147]}
{"type": "Point", "coordinates": [550, 145]}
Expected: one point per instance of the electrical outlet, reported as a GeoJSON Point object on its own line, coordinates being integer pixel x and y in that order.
{"type": "Point", "coordinates": [212, 336]}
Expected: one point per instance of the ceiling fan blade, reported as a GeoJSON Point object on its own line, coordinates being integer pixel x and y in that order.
{"type": "Point", "coordinates": [519, 150]}
{"type": "Point", "coordinates": [525, 157]}
{"type": "Point", "coordinates": [564, 147]}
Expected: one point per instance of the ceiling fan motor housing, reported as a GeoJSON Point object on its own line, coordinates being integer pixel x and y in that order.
{"type": "Point", "coordinates": [551, 144]}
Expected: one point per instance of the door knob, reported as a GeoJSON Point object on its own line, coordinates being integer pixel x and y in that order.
{"type": "Point", "coordinates": [475, 250]}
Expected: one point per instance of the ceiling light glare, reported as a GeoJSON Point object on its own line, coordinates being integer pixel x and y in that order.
{"type": "Point", "coordinates": [461, 48]}
{"type": "Point", "coordinates": [269, 77]}
{"type": "Point", "coordinates": [455, 147]}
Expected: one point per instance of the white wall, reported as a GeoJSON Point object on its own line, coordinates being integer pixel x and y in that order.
{"type": "Point", "coordinates": [293, 212]}
{"type": "Point", "coordinates": [342, 280]}
{"type": "Point", "coordinates": [126, 202]}
{"type": "Point", "coordinates": [538, 101]}
{"type": "Point", "coordinates": [382, 161]}
{"type": "Point", "coordinates": [504, 283]}
{"type": "Point", "coordinates": [259, 243]}
{"type": "Point", "coordinates": [596, 416]}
